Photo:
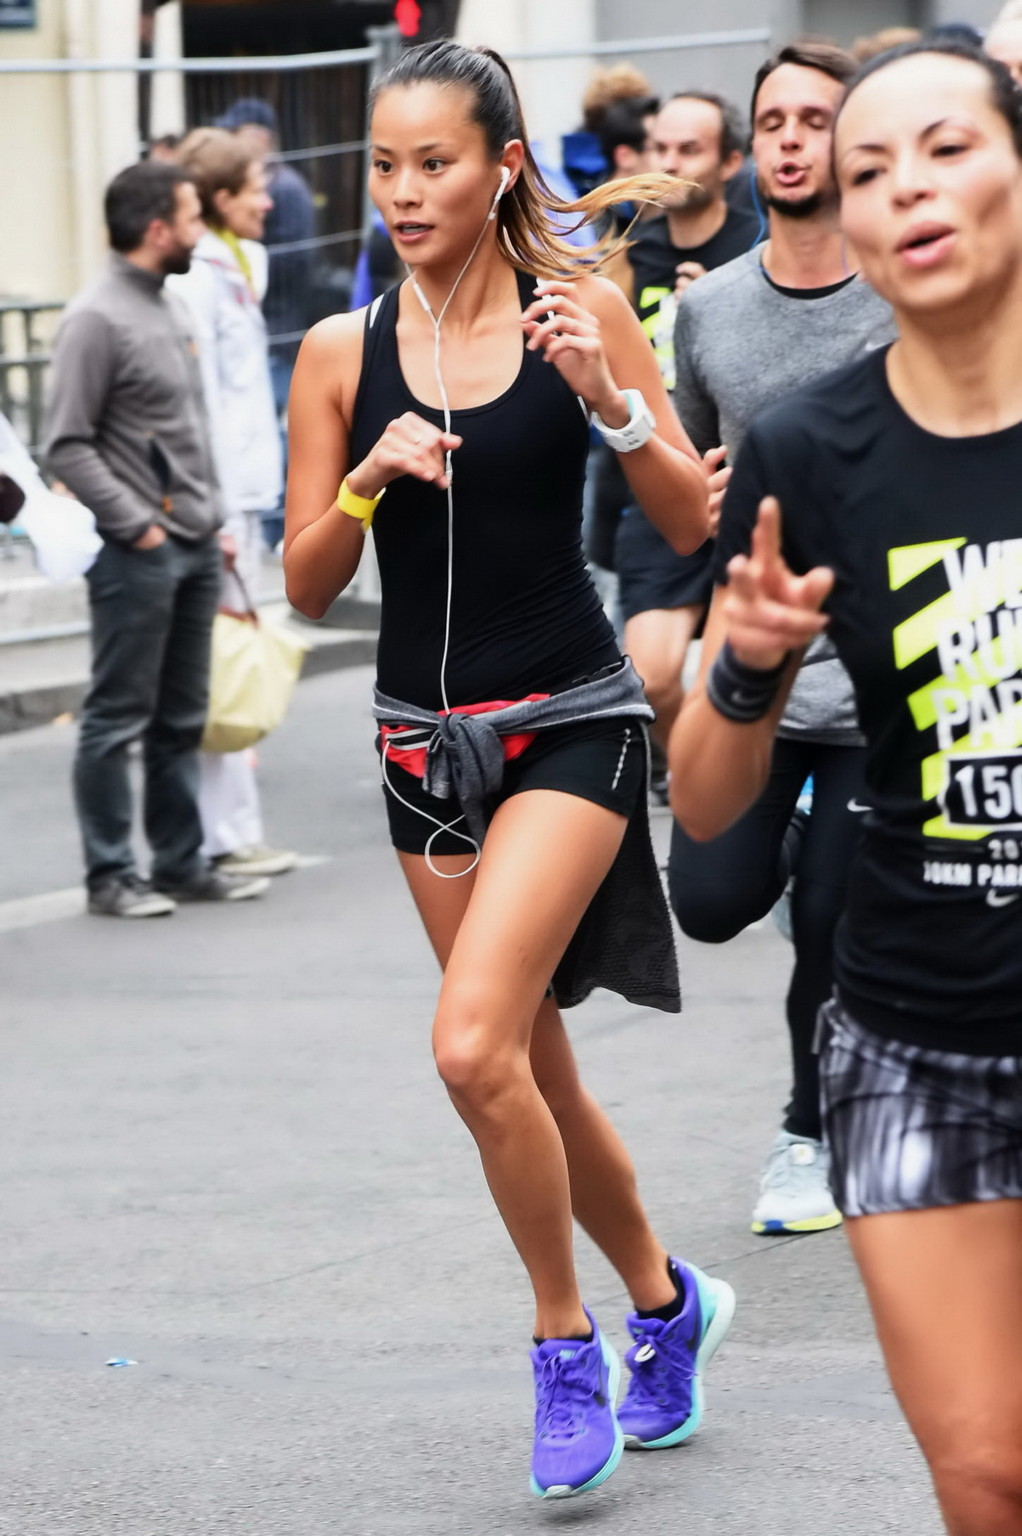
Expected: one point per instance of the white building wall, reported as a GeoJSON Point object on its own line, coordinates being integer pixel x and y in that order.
{"type": "Point", "coordinates": [66, 135]}
{"type": "Point", "coordinates": [727, 70]}
{"type": "Point", "coordinates": [552, 89]}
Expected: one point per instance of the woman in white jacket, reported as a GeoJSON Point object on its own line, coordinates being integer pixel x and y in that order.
{"type": "Point", "coordinates": [224, 289]}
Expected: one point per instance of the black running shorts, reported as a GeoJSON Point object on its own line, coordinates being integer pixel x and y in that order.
{"type": "Point", "coordinates": [599, 760]}
{"type": "Point", "coordinates": [650, 574]}
{"type": "Point", "coordinates": [909, 1128]}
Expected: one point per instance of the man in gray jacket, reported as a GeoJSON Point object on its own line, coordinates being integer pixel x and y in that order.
{"type": "Point", "coordinates": [126, 433]}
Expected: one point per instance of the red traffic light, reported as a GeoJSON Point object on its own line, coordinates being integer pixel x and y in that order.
{"type": "Point", "coordinates": [408, 14]}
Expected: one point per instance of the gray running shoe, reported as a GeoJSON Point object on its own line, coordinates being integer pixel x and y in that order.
{"type": "Point", "coordinates": [128, 896]}
{"type": "Point", "coordinates": [795, 1192]}
{"type": "Point", "coordinates": [212, 885]}
{"type": "Point", "coordinates": [256, 859]}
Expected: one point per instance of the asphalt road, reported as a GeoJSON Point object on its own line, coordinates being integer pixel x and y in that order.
{"type": "Point", "coordinates": [226, 1158]}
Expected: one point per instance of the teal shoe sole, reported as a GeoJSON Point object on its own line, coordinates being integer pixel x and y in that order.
{"type": "Point", "coordinates": [717, 1304]}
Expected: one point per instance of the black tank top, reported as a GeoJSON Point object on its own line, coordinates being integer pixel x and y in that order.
{"type": "Point", "coordinates": [525, 617]}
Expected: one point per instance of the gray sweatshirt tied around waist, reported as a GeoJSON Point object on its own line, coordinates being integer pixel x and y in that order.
{"type": "Point", "coordinates": [625, 941]}
{"type": "Point", "coordinates": [741, 344]}
{"type": "Point", "coordinates": [125, 425]}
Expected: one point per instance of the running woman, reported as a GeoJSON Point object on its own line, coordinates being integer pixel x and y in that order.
{"type": "Point", "coordinates": [887, 496]}
{"type": "Point", "coordinates": [504, 703]}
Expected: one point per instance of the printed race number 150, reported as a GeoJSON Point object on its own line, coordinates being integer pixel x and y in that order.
{"type": "Point", "coordinates": [984, 790]}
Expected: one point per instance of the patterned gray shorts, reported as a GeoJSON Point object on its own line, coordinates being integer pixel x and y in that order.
{"type": "Point", "coordinates": [910, 1128]}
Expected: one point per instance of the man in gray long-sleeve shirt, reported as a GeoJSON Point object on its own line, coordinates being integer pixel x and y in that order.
{"type": "Point", "coordinates": [746, 336]}
{"type": "Point", "coordinates": [126, 433]}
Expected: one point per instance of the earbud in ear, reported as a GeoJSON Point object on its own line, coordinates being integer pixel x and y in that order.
{"type": "Point", "coordinates": [505, 177]}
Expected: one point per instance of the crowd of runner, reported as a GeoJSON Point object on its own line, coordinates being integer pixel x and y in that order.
{"type": "Point", "coordinates": [770, 366]}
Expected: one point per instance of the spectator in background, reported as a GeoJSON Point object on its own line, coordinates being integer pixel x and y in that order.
{"type": "Point", "coordinates": [626, 143]}
{"type": "Point", "coordinates": [164, 148]}
{"type": "Point", "coordinates": [292, 219]}
{"type": "Point", "coordinates": [12, 498]}
{"type": "Point", "coordinates": [956, 32]}
{"type": "Point", "coordinates": [625, 133]}
{"type": "Point", "coordinates": [779, 317]}
{"type": "Point", "coordinates": [223, 290]}
{"type": "Point", "coordinates": [698, 138]}
{"type": "Point", "coordinates": [611, 84]}
{"type": "Point", "coordinates": [126, 432]}
{"type": "Point", "coordinates": [876, 43]}
{"type": "Point", "coordinates": [1004, 40]}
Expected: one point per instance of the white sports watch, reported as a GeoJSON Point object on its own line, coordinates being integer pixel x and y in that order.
{"type": "Point", "coordinates": [638, 429]}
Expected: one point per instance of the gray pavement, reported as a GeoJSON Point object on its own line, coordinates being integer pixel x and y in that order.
{"type": "Point", "coordinates": [227, 1158]}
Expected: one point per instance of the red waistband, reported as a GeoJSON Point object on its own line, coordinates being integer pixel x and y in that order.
{"type": "Point", "coordinates": [413, 759]}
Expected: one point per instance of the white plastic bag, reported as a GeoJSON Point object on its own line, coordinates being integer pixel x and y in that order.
{"type": "Point", "coordinates": [62, 530]}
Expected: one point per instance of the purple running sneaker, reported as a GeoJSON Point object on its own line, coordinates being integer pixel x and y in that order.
{"type": "Point", "coordinates": [578, 1440]}
{"type": "Point", "coordinates": [664, 1401]}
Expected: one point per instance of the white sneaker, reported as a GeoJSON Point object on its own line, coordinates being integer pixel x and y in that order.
{"type": "Point", "coordinates": [256, 859]}
{"type": "Point", "coordinates": [794, 1193]}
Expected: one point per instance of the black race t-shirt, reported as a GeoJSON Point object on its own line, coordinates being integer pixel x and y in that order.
{"type": "Point", "coordinates": [654, 262]}
{"type": "Point", "coordinates": [925, 537]}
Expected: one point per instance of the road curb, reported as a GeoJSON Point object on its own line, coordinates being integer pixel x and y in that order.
{"type": "Point", "coordinates": [40, 703]}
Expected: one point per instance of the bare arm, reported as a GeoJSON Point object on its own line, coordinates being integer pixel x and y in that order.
{"type": "Point", "coordinates": [598, 346]}
{"type": "Point", "coordinates": [719, 767]}
{"type": "Point", "coordinates": [322, 544]}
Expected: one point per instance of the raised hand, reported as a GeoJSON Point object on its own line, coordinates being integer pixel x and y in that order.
{"type": "Point", "coordinates": [409, 446]}
{"type": "Point", "coordinates": [768, 610]}
{"type": "Point", "coordinates": [569, 337]}
{"type": "Point", "coordinates": [687, 273]}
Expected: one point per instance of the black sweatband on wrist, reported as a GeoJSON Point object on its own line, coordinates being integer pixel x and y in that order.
{"type": "Point", "coordinates": [741, 693]}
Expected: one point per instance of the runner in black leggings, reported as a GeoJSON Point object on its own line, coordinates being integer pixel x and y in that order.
{"type": "Point", "coordinates": [719, 888]}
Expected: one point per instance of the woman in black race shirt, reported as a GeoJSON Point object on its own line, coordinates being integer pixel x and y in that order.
{"type": "Point", "coordinates": [486, 600]}
{"type": "Point", "coordinates": [890, 496]}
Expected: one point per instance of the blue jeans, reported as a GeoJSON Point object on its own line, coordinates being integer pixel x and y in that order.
{"type": "Point", "coordinates": [152, 617]}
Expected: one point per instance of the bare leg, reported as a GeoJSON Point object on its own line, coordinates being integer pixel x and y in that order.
{"type": "Point", "coordinates": [946, 1291]}
{"type": "Point", "coordinates": [658, 642]}
{"type": "Point", "coordinates": [604, 1194]}
{"type": "Point", "coordinates": [501, 933]}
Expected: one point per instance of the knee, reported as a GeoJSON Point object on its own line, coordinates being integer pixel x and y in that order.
{"type": "Point", "coordinates": [108, 733]}
{"type": "Point", "coordinates": [713, 916]}
{"type": "Point", "coordinates": [475, 1067]}
{"type": "Point", "coordinates": [662, 686]}
{"type": "Point", "coordinates": [981, 1490]}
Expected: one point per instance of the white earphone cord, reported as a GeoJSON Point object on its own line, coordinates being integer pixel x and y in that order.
{"type": "Point", "coordinates": [436, 321]}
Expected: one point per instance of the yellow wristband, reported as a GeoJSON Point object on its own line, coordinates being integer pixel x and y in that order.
{"type": "Point", "coordinates": [362, 507]}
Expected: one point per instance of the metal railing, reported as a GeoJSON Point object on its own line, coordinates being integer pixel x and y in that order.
{"type": "Point", "coordinates": [680, 42]}
{"type": "Point", "coordinates": [319, 101]}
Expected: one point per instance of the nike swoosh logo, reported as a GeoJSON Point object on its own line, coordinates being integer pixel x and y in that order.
{"type": "Point", "coordinates": [1000, 899]}
{"type": "Point", "coordinates": [854, 806]}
